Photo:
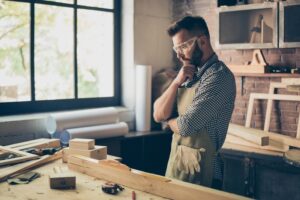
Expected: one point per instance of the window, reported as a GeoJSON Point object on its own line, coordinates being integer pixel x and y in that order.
{"type": "Point", "coordinates": [59, 55]}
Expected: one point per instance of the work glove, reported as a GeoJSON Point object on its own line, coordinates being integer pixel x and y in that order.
{"type": "Point", "coordinates": [188, 159]}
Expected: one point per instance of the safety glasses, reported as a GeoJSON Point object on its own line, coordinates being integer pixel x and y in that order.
{"type": "Point", "coordinates": [185, 45]}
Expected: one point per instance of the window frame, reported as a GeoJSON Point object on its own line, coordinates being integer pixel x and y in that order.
{"type": "Point", "coordinates": [33, 106]}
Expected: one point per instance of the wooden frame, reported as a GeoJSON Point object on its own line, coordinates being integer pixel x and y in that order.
{"type": "Point", "coordinates": [23, 156]}
{"type": "Point", "coordinates": [268, 97]}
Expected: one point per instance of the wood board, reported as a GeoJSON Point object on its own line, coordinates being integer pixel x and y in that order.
{"type": "Point", "coordinates": [257, 137]}
{"type": "Point", "coordinates": [273, 145]}
{"type": "Point", "coordinates": [172, 190]}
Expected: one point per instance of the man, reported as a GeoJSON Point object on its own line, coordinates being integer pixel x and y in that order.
{"type": "Point", "coordinates": [204, 91]}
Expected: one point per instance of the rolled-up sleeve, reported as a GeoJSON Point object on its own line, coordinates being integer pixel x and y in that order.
{"type": "Point", "coordinates": [212, 93]}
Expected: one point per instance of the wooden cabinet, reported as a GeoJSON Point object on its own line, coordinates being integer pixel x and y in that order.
{"type": "Point", "coordinates": [260, 176]}
{"type": "Point", "coordinates": [259, 26]}
{"type": "Point", "coordinates": [289, 24]}
{"type": "Point", "coordinates": [147, 152]}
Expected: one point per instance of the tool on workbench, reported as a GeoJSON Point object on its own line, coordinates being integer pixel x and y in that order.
{"type": "Point", "coordinates": [42, 151]}
{"type": "Point", "coordinates": [23, 178]}
{"type": "Point", "coordinates": [112, 188]}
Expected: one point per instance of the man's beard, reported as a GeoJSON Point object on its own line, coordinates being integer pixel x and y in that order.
{"type": "Point", "coordinates": [196, 56]}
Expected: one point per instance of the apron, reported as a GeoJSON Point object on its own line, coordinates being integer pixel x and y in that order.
{"type": "Point", "coordinates": [194, 143]}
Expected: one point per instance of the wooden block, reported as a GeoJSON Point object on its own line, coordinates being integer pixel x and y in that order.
{"type": "Point", "coordinates": [83, 144]}
{"type": "Point", "coordinates": [99, 153]}
{"type": "Point", "coordinates": [253, 135]}
{"type": "Point", "coordinates": [171, 189]}
{"type": "Point", "coordinates": [62, 181]}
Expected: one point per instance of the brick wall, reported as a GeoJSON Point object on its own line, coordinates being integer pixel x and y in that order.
{"type": "Point", "coordinates": [284, 114]}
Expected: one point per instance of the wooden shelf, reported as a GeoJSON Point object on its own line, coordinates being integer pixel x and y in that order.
{"type": "Point", "coordinates": [285, 75]}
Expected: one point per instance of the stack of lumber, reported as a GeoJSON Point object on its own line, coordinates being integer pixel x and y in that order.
{"type": "Point", "coordinates": [85, 147]}
{"type": "Point", "coordinates": [259, 139]}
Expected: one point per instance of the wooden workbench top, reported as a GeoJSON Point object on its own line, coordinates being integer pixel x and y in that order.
{"type": "Point", "coordinates": [86, 188]}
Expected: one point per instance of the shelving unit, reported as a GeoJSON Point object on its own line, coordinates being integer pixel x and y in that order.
{"type": "Point", "coordinates": [251, 26]}
{"type": "Point", "coordinates": [289, 24]}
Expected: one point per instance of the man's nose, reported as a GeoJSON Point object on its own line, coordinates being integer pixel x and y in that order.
{"type": "Point", "coordinates": [179, 55]}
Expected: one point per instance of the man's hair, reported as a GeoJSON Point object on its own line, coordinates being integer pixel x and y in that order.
{"type": "Point", "coordinates": [193, 24]}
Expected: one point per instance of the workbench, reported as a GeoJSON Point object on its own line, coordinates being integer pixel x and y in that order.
{"type": "Point", "coordinates": [259, 174]}
{"type": "Point", "coordinates": [87, 187]}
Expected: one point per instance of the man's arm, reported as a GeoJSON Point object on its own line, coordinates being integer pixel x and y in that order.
{"type": "Point", "coordinates": [163, 106]}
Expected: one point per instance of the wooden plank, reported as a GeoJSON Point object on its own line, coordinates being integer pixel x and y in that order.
{"type": "Point", "coordinates": [282, 139]}
{"type": "Point", "coordinates": [252, 135]}
{"type": "Point", "coordinates": [249, 112]}
{"type": "Point", "coordinates": [23, 167]}
{"type": "Point", "coordinates": [87, 187]}
{"type": "Point", "coordinates": [172, 190]}
{"type": "Point", "coordinates": [243, 148]}
{"type": "Point", "coordinates": [22, 156]}
{"type": "Point", "coordinates": [253, 69]}
{"type": "Point", "coordinates": [273, 145]}
{"type": "Point", "coordinates": [80, 143]}
{"type": "Point", "coordinates": [40, 143]}
{"type": "Point", "coordinates": [27, 142]}
{"type": "Point", "coordinates": [100, 152]}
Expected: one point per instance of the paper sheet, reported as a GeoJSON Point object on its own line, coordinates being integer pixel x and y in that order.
{"type": "Point", "coordinates": [95, 132]}
{"type": "Point", "coordinates": [143, 97]}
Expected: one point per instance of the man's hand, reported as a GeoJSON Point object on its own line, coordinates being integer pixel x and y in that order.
{"type": "Point", "coordinates": [173, 125]}
{"type": "Point", "coordinates": [187, 71]}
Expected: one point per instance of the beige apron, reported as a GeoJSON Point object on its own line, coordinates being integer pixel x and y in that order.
{"type": "Point", "coordinates": [194, 143]}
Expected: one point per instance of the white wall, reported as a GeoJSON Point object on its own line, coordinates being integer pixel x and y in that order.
{"type": "Point", "coordinates": [144, 41]}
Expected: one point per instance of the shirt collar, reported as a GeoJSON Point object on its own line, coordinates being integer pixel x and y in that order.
{"type": "Point", "coordinates": [211, 60]}
{"type": "Point", "coordinates": [200, 71]}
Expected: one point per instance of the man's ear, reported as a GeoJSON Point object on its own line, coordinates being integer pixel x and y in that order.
{"type": "Point", "coordinates": [200, 42]}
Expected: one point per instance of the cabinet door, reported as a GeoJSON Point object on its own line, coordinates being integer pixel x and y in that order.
{"type": "Point", "coordinates": [248, 26]}
{"type": "Point", "coordinates": [289, 25]}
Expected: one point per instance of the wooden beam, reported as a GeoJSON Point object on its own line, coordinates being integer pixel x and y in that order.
{"type": "Point", "coordinates": [252, 135]}
{"type": "Point", "coordinates": [273, 86]}
{"type": "Point", "coordinates": [273, 145]}
{"type": "Point", "coordinates": [39, 143]}
{"type": "Point", "coordinates": [237, 147]}
{"type": "Point", "coordinates": [282, 139]}
{"type": "Point", "coordinates": [173, 189]}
